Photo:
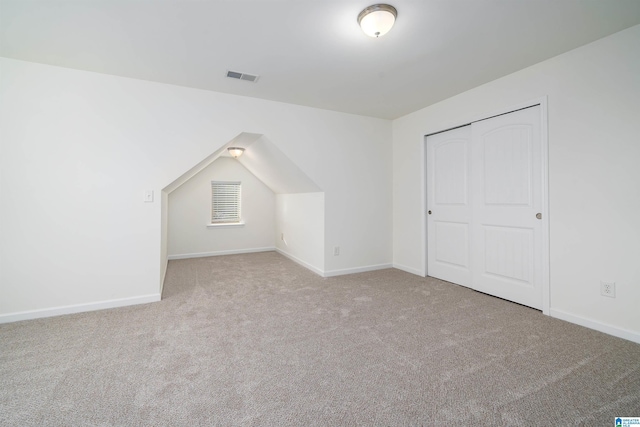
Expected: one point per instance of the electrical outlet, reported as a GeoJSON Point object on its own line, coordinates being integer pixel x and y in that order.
{"type": "Point", "coordinates": [608, 289]}
{"type": "Point", "coordinates": [336, 250]}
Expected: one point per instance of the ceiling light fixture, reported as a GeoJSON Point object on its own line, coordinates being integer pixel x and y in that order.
{"type": "Point", "coordinates": [377, 20]}
{"type": "Point", "coordinates": [236, 151]}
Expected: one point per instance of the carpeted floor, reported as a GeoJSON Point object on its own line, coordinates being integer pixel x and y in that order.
{"type": "Point", "coordinates": [272, 344]}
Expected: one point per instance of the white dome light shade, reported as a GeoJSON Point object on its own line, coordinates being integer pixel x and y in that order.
{"type": "Point", "coordinates": [377, 20]}
{"type": "Point", "coordinates": [236, 151]}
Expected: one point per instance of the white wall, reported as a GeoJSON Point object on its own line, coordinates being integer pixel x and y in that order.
{"type": "Point", "coordinates": [190, 212]}
{"type": "Point", "coordinates": [300, 228]}
{"type": "Point", "coordinates": [79, 149]}
{"type": "Point", "coordinates": [270, 165]}
{"type": "Point", "coordinates": [594, 179]}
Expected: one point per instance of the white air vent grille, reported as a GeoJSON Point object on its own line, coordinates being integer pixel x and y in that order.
{"type": "Point", "coordinates": [242, 76]}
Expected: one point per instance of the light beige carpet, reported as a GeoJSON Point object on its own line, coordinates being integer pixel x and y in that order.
{"type": "Point", "coordinates": [257, 340]}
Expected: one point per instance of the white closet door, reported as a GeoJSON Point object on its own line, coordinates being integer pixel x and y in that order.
{"type": "Point", "coordinates": [507, 195]}
{"type": "Point", "coordinates": [484, 192]}
{"type": "Point", "coordinates": [449, 205]}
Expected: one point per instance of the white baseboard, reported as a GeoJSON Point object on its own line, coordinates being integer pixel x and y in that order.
{"type": "Point", "coordinates": [342, 272]}
{"type": "Point", "coordinates": [409, 269]}
{"type": "Point", "coordinates": [219, 253]}
{"type": "Point", "coordinates": [598, 326]}
{"type": "Point", "coordinates": [78, 308]}
{"type": "Point", "coordinates": [332, 273]}
{"type": "Point", "coordinates": [301, 262]}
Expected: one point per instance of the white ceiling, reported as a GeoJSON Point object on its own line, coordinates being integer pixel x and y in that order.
{"type": "Point", "coordinates": [309, 52]}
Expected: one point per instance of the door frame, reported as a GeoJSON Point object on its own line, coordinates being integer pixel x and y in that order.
{"type": "Point", "coordinates": [544, 136]}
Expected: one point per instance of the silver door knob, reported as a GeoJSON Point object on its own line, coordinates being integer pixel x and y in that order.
{"type": "Point", "coordinates": [539, 215]}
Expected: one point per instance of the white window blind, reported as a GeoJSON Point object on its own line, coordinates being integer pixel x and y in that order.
{"type": "Point", "coordinates": [225, 202]}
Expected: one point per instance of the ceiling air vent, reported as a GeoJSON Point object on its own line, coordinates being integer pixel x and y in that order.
{"type": "Point", "coordinates": [242, 76]}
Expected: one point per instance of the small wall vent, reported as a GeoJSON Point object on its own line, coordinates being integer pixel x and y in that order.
{"type": "Point", "coordinates": [242, 76]}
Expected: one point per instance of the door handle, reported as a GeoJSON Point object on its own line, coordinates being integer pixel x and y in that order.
{"type": "Point", "coordinates": [429, 212]}
{"type": "Point", "coordinates": [539, 215]}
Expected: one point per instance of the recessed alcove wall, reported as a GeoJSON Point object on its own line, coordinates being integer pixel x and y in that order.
{"type": "Point", "coordinates": [189, 215]}
{"type": "Point", "coordinates": [282, 208]}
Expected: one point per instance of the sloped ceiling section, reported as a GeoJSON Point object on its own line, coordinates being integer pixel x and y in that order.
{"type": "Point", "coordinates": [263, 159]}
{"type": "Point", "coordinates": [244, 139]}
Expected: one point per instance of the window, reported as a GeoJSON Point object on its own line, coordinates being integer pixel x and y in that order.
{"type": "Point", "coordinates": [225, 202]}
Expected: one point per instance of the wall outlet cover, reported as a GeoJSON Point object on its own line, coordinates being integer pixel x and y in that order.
{"type": "Point", "coordinates": [608, 289]}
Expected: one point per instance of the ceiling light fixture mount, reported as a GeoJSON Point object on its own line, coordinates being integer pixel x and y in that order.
{"type": "Point", "coordinates": [377, 20]}
{"type": "Point", "coordinates": [236, 151]}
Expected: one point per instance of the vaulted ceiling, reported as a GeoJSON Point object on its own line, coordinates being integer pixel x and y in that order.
{"type": "Point", "coordinates": [308, 52]}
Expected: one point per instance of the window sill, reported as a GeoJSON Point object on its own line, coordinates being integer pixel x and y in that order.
{"type": "Point", "coordinates": [226, 225]}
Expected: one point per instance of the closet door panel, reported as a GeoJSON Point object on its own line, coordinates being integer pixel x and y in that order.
{"type": "Point", "coordinates": [448, 206]}
{"type": "Point", "coordinates": [507, 196]}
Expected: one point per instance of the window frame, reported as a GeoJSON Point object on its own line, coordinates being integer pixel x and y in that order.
{"type": "Point", "coordinates": [226, 203]}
